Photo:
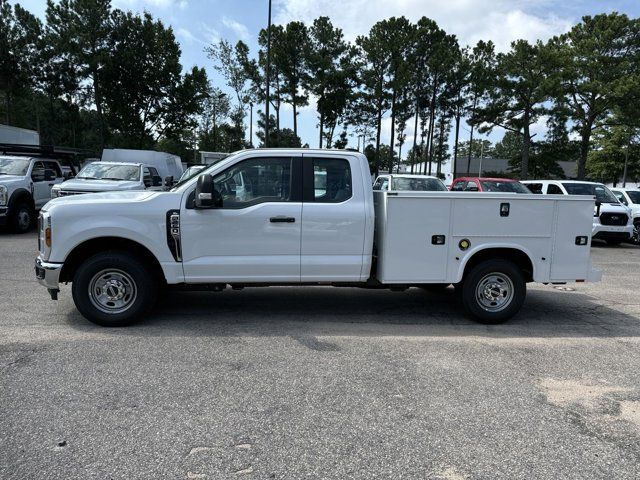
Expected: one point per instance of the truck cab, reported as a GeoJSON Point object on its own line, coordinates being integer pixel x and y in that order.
{"type": "Point", "coordinates": [612, 221]}
{"type": "Point", "coordinates": [108, 177]}
{"type": "Point", "coordinates": [306, 217]}
{"type": "Point", "coordinates": [25, 187]}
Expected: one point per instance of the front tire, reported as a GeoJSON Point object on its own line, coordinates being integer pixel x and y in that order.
{"type": "Point", "coordinates": [494, 291]}
{"type": "Point", "coordinates": [613, 243]}
{"type": "Point", "coordinates": [22, 218]}
{"type": "Point", "coordinates": [113, 289]}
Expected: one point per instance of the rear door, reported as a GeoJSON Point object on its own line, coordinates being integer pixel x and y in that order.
{"type": "Point", "coordinates": [333, 219]}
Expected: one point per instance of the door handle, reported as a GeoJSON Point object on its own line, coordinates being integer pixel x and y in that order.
{"type": "Point", "coordinates": [282, 219]}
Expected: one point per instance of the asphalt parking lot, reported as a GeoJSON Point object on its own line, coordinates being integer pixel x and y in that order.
{"type": "Point", "coordinates": [322, 383]}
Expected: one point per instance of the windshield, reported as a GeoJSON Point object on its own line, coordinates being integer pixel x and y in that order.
{"type": "Point", "coordinates": [14, 166]}
{"type": "Point", "coordinates": [418, 184]}
{"type": "Point", "coordinates": [102, 171]}
{"type": "Point", "coordinates": [602, 193]}
{"type": "Point", "coordinates": [634, 195]}
{"type": "Point", "coordinates": [190, 172]}
{"type": "Point", "coordinates": [499, 186]}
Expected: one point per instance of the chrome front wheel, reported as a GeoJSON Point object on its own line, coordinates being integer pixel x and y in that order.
{"type": "Point", "coordinates": [112, 291]}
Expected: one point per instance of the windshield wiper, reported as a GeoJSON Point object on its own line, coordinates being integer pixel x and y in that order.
{"type": "Point", "coordinates": [89, 178]}
{"type": "Point", "coordinates": [112, 178]}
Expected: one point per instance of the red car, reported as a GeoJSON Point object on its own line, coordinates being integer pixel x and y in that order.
{"type": "Point", "coordinates": [486, 184]}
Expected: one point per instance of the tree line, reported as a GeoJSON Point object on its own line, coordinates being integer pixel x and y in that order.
{"type": "Point", "coordinates": [92, 75]}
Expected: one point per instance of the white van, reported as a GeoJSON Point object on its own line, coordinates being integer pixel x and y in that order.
{"type": "Point", "coordinates": [612, 221]}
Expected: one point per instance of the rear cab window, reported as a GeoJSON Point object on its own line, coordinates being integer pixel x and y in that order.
{"type": "Point", "coordinates": [331, 180]}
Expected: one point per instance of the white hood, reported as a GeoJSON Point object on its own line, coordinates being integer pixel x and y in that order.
{"type": "Point", "coordinates": [11, 179]}
{"type": "Point", "coordinates": [101, 197]}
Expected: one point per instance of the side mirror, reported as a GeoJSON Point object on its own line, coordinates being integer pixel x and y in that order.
{"type": "Point", "coordinates": [156, 181]}
{"type": "Point", "coordinates": [206, 195]}
{"type": "Point", "coordinates": [68, 175]}
{"type": "Point", "coordinates": [168, 181]}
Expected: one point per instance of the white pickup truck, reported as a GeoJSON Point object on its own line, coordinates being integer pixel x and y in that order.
{"type": "Point", "coordinates": [307, 217]}
{"type": "Point", "coordinates": [25, 186]}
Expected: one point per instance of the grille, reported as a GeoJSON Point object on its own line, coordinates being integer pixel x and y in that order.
{"type": "Point", "coordinates": [66, 193]}
{"type": "Point", "coordinates": [613, 219]}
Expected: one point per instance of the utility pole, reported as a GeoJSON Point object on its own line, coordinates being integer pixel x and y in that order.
{"type": "Point", "coordinates": [251, 124]}
{"type": "Point", "coordinates": [266, 122]}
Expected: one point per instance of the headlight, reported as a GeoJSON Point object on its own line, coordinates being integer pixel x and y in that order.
{"type": "Point", "coordinates": [3, 195]}
{"type": "Point", "coordinates": [55, 192]}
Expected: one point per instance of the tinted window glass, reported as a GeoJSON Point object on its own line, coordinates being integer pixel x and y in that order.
{"type": "Point", "coordinates": [254, 181]}
{"type": "Point", "coordinates": [534, 187]}
{"type": "Point", "coordinates": [634, 195]}
{"type": "Point", "coordinates": [554, 190]}
{"type": "Point", "coordinates": [458, 186]}
{"type": "Point", "coordinates": [602, 193]}
{"type": "Point", "coordinates": [331, 180]}
{"type": "Point", "coordinates": [508, 187]}
{"type": "Point", "coordinates": [55, 167]}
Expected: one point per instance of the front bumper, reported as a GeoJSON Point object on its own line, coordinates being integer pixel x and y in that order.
{"type": "Point", "coordinates": [48, 274]}
{"type": "Point", "coordinates": [610, 232]}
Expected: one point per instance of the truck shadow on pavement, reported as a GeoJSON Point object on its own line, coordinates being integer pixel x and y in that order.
{"type": "Point", "coordinates": [281, 311]}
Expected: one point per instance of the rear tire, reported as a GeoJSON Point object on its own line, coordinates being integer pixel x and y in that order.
{"type": "Point", "coordinates": [22, 218]}
{"type": "Point", "coordinates": [113, 289]}
{"type": "Point", "coordinates": [494, 291]}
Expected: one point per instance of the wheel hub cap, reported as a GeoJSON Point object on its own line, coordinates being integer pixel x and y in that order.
{"type": "Point", "coordinates": [494, 292]}
{"type": "Point", "coordinates": [112, 291]}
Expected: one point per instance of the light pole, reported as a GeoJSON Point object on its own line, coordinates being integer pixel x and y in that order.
{"type": "Point", "coordinates": [266, 108]}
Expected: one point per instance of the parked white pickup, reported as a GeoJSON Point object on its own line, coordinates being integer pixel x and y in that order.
{"type": "Point", "coordinates": [303, 216]}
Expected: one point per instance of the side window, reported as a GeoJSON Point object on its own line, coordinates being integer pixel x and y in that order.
{"type": "Point", "coordinates": [55, 167]}
{"type": "Point", "coordinates": [146, 177]}
{"type": "Point", "coordinates": [331, 180]}
{"type": "Point", "coordinates": [534, 187]}
{"type": "Point", "coordinates": [254, 181]}
{"type": "Point", "coordinates": [378, 184]}
{"type": "Point", "coordinates": [472, 186]}
{"type": "Point", "coordinates": [620, 196]}
{"type": "Point", "coordinates": [458, 186]}
{"type": "Point", "coordinates": [385, 185]}
{"type": "Point", "coordinates": [553, 189]}
{"type": "Point", "coordinates": [37, 173]}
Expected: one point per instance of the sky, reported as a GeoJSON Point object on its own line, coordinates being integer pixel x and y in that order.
{"type": "Point", "coordinates": [198, 23]}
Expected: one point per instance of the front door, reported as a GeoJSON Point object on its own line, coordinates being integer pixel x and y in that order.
{"type": "Point", "coordinates": [255, 235]}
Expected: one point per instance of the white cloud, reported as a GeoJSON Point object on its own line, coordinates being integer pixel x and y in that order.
{"type": "Point", "coordinates": [211, 34]}
{"type": "Point", "coordinates": [471, 20]}
{"type": "Point", "coordinates": [241, 30]}
{"type": "Point", "coordinates": [188, 37]}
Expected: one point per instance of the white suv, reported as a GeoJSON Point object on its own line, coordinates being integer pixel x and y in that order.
{"type": "Point", "coordinates": [631, 198]}
{"type": "Point", "coordinates": [611, 219]}
{"type": "Point", "coordinates": [25, 186]}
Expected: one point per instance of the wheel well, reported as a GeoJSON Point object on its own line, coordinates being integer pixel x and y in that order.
{"type": "Point", "coordinates": [518, 257]}
{"type": "Point", "coordinates": [86, 249]}
{"type": "Point", "coordinates": [21, 196]}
